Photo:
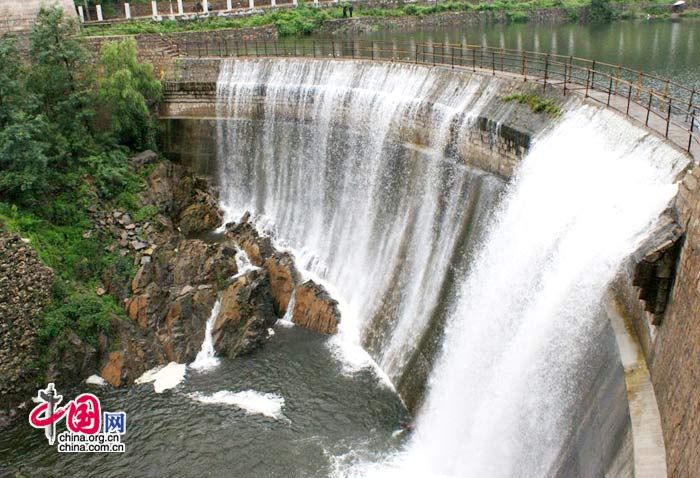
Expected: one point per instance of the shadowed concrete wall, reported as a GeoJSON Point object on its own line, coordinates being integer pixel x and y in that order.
{"type": "Point", "coordinates": [19, 15]}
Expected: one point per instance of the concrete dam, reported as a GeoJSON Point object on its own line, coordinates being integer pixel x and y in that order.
{"type": "Point", "coordinates": [486, 257]}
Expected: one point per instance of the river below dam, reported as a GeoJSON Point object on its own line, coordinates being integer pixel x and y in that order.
{"type": "Point", "coordinates": [289, 406]}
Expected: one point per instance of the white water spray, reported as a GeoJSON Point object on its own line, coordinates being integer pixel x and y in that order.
{"type": "Point", "coordinates": [402, 233]}
{"type": "Point", "coordinates": [206, 357]}
{"type": "Point", "coordinates": [500, 396]}
{"type": "Point", "coordinates": [377, 220]}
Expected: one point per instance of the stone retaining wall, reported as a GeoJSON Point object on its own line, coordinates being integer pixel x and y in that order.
{"type": "Point", "coordinates": [674, 356]}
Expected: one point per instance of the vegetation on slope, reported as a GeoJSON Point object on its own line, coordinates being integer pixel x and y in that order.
{"type": "Point", "coordinates": [536, 103]}
{"type": "Point", "coordinates": [304, 20]}
{"type": "Point", "coordinates": [66, 130]}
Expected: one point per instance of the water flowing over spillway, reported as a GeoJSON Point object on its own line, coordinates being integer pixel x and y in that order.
{"type": "Point", "coordinates": [412, 239]}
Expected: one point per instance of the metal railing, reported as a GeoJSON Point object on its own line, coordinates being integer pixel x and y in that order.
{"type": "Point", "coordinates": [662, 105]}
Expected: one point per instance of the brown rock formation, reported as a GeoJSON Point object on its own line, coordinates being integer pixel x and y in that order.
{"type": "Point", "coordinates": [315, 309]}
{"type": "Point", "coordinates": [246, 314]}
{"type": "Point", "coordinates": [283, 278]}
{"type": "Point", "coordinates": [258, 248]}
{"type": "Point", "coordinates": [202, 215]}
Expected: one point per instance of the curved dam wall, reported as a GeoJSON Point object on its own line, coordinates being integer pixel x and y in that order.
{"type": "Point", "coordinates": [285, 138]}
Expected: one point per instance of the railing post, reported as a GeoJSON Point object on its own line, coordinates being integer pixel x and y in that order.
{"type": "Point", "coordinates": [610, 90]}
{"type": "Point", "coordinates": [646, 123]}
{"type": "Point", "coordinates": [493, 62]}
{"type": "Point", "coordinates": [588, 78]}
{"type": "Point", "coordinates": [473, 59]}
{"type": "Point", "coordinates": [566, 67]}
{"type": "Point", "coordinates": [372, 50]}
{"type": "Point", "coordinates": [690, 103]}
{"type": "Point", "coordinates": [415, 53]}
{"type": "Point", "coordinates": [668, 118]}
{"type": "Point", "coordinates": [452, 52]}
{"type": "Point", "coordinates": [690, 133]}
{"type": "Point", "coordinates": [546, 71]}
{"type": "Point", "coordinates": [629, 99]}
{"type": "Point", "coordinates": [593, 76]}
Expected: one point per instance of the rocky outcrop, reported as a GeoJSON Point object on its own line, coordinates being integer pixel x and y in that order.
{"type": "Point", "coordinates": [190, 201]}
{"type": "Point", "coordinates": [259, 248]}
{"type": "Point", "coordinates": [315, 309]}
{"type": "Point", "coordinates": [283, 279]}
{"type": "Point", "coordinates": [182, 331]}
{"type": "Point", "coordinates": [69, 359]}
{"type": "Point", "coordinates": [245, 316]}
{"type": "Point", "coordinates": [25, 285]}
{"type": "Point", "coordinates": [202, 215]}
{"type": "Point", "coordinates": [128, 351]}
{"type": "Point", "coordinates": [174, 293]}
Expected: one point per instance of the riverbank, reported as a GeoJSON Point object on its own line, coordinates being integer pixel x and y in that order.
{"type": "Point", "coordinates": [328, 18]}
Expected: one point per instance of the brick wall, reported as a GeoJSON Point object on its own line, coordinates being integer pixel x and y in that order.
{"type": "Point", "coordinates": [675, 356]}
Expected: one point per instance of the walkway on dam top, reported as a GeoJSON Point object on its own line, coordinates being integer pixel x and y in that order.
{"type": "Point", "coordinates": [669, 109]}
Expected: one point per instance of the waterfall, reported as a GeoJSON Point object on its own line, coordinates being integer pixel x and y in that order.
{"type": "Point", "coordinates": [411, 239]}
{"type": "Point", "coordinates": [206, 357]}
{"type": "Point", "coordinates": [516, 342]}
{"type": "Point", "coordinates": [377, 216]}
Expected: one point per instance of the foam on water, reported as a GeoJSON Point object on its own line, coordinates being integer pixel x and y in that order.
{"type": "Point", "coordinates": [164, 378]}
{"type": "Point", "coordinates": [95, 380]}
{"type": "Point", "coordinates": [251, 401]}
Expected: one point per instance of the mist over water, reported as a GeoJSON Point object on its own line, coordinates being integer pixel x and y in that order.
{"type": "Point", "coordinates": [407, 234]}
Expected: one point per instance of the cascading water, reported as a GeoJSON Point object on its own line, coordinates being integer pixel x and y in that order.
{"type": "Point", "coordinates": [206, 357]}
{"type": "Point", "coordinates": [380, 222]}
{"type": "Point", "coordinates": [503, 390]}
{"type": "Point", "coordinates": [410, 238]}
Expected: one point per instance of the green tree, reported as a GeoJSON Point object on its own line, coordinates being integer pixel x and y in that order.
{"type": "Point", "coordinates": [62, 81]}
{"type": "Point", "coordinates": [129, 90]}
{"type": "Point", "coordinates": [23, 133]}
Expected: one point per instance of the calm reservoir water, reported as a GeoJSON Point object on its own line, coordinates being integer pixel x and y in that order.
{"type": "Point", "coordinates": [662, 47]}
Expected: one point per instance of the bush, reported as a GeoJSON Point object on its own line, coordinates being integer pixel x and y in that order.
{"type": "Point", "coordinates": [83, 312]}
{"type": "Point", "coordinates": [600, 11]}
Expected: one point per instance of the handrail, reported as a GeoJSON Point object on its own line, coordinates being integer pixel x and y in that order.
{"type": "Point", "coordinates": [672, 111]}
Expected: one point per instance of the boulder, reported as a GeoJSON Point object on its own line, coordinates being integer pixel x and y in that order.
{"type": "Point", "coordinates": [182, 331]}
{"type": "Point", "coordinates": [259, 248]}
{"type": "Point", "coordinates": [70, 359]}
{"type": "Point", "coordinates": [112, 370]}
{"type": "Point", "coordinates": [245, 316]}
{"type": "Point", "coordinates": [142, 159]}
{"type": "Point", "coordinates": [315, 309]}
{"type": "Point", "coordinates": [283, 278]}
{"type": "Point", "coordinates": [128, 352]}
{"type": "Point", "coordinates": [200, 216]}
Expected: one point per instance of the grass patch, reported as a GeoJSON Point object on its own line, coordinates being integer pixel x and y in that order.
{"type": "Point", "coordinates": [536, 103]}
{"type": "Point", "coordinates": [304, 20]}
